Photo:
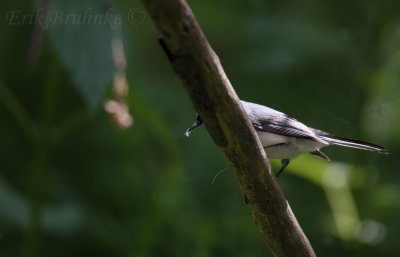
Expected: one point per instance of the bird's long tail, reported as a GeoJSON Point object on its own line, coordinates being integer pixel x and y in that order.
{"type": "Point", "coordinates": [348, 142]}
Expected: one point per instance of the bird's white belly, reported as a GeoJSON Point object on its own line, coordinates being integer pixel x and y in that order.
{"type": "Point", "coordinates": [283, 147]}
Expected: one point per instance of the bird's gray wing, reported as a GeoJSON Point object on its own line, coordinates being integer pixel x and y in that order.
{"type": "Point", "coordinates": [285, 126]}
{"type": "Point", "coordinates": [267, 119]}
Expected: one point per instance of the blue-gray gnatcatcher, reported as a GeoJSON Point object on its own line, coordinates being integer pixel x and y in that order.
{"type": "Point", "coordinates": [285, 138]}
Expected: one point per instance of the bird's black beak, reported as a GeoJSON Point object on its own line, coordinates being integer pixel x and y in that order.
{"type": "Point", "coordinates": [196, 124]}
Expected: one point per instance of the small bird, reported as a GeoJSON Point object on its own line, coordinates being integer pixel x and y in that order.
{"type": "Point", "coordinates": [284, 138]}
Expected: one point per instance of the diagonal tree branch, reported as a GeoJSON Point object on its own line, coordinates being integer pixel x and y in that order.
{"type": "Point", "coordinates": [215, 100]}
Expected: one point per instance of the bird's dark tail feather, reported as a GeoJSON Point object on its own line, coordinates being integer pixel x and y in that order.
{"type": "Point", "coordinates": [348, 142]}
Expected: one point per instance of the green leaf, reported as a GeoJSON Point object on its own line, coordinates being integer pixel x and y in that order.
{"type": "Point", "coordinates": [81, 33]}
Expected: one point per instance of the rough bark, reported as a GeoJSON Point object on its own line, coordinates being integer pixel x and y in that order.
{"type": "Point", "coordinates": [213, 97]}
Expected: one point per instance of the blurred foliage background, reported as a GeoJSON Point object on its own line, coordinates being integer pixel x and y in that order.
{"type": "Point", "coordinates": [78, 179]}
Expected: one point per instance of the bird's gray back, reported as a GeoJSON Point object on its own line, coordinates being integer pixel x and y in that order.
{"type": "Point", "coordinates": [267, 119]}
